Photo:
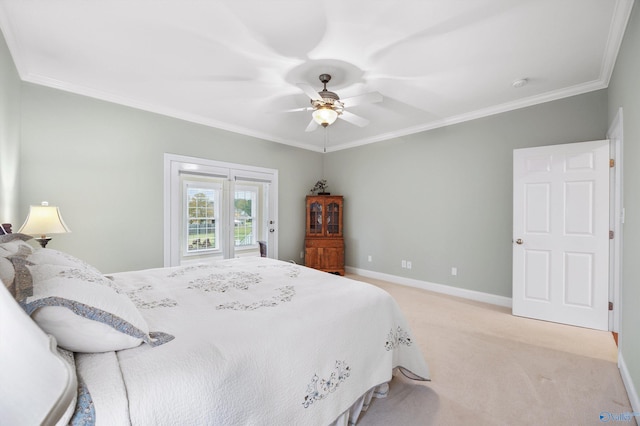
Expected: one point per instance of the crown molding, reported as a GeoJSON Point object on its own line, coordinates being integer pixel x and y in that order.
{"type": "Point", "coordinates": [156, 109]}
{"type": "Point", "coordinates": [617, 28]}
{"type": "Point", "coordinates": [193, 118]}
{"type": "Point", "coordinates": [484, 112]}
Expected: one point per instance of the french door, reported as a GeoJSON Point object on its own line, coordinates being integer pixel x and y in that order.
{"type": "Point", "coordinates": [217, 210]}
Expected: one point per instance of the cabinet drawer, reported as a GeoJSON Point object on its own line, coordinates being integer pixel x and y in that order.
{"type": "Point", "coordinates": [324, 242]}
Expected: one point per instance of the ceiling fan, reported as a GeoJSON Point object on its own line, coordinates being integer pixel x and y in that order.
{"type": "Point", "coordinates": [327, 106]}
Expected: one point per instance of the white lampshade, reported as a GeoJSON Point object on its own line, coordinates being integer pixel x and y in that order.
{"type": "Point", "coordinates": [324, 116]}
{"type": "Point", "coordinates": [43, 220]}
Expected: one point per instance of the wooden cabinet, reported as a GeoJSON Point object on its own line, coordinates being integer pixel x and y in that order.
{"type": "Point", "coordinates": [324, 243]}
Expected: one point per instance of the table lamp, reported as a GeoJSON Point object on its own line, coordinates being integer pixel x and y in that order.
{"type": "Point", "coordinates": [43, 220]}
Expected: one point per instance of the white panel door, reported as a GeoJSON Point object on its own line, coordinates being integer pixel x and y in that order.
{"type": "Point", "coordinates": [561, 233]}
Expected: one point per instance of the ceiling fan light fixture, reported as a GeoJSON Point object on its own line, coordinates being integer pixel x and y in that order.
{"type": "Point", "coordinates": [324, 116]}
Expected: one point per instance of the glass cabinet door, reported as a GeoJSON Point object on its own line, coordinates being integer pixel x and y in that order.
{"type": "Point", "coordinates": [333, 218]}
{"type": "Point", "coordinates": [315, 218]}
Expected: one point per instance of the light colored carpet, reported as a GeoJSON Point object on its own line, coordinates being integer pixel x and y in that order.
{"type": "Point", "coordinates": [489, 367]}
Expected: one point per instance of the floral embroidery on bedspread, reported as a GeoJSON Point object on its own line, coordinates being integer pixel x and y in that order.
{"type": "Point", "coordinates": [141, 303]}
{"type": "Point", "coordinates": [222, 282]}
{"type": "Point", "coordinates": [87, 275]}
{"type": "Point", "coordinates": [291, 270]}
{"type": "Point", "coordinates": [319, 388]}
{"type": "Point", "coordinates": [397, 338]}
{"type": "Point", "coordinates": [286, 294]}
{"type": "Point", "coordinates": [179, 272]}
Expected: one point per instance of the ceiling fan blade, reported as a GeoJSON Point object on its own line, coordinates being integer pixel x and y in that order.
{"type": "Point", "coordinates": [353, 119]}
{"type": "Point", "coordinates": [310, 92]}
{"type": "Point", "coordinates": [312, 126]}
{"type": "Point", "coordinates": [367, 98]}
{"type": "Point", "coordinates": [299, 109]}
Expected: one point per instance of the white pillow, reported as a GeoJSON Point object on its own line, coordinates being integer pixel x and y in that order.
{"type": "Point", "coordinates": [54, 257]}
{"type": "Point", "coordinates": [84, 311]}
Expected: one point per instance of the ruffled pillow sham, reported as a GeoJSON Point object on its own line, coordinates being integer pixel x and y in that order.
{"type": "Point", "coordinates": [83, 313]}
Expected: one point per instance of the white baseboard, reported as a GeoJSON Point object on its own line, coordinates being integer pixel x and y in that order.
{"type": "Point", "coordinates": [628, 384]}
{"type": "Point", "coordinates": [438, 288]}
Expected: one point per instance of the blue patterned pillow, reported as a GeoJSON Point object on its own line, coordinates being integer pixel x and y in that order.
{"type": "Point", "coordinates": [13, 253]}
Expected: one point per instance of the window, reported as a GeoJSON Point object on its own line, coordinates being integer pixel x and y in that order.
{"type": "Point", "coordinates": [216, 209]}
{"type": "Point", "coordinates": [201, 211]}
{"type": "Point", "coordinates": [245, 206]}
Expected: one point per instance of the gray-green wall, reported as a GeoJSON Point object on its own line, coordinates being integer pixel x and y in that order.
{"type": "Point", "coordinates": [624, 92]}
{"type": "Point", "coordinates": [443, 198]}
{"type": "Point", "coordinates": [9, 136]}
{"type": "Point", "coordinates": [102, 164]}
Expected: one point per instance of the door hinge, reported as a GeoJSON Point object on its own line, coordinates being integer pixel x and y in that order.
{"type": "Point", "coordinates": [612, 162]}
{"type": "Point", "coordinates": [611, 235]}
{"type": "Point", "coordinates": [611, 306]}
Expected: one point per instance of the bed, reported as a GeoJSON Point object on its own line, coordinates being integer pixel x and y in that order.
{"type": "Point", "coordinates": [246, 341]}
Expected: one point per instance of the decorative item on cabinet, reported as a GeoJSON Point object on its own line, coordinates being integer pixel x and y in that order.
{"type": "Point", "coordinates": [324, 242]}
{"type": "Point", "coordinates": [320, 188]}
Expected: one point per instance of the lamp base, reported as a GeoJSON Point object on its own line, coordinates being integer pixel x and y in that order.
{"type": "Point", "coordinates": [43, 241]}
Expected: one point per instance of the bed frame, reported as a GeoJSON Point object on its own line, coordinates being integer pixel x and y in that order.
{"type": "Point", "coordinates": [6, 227]}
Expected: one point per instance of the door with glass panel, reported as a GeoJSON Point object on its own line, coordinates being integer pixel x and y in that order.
{"type": "Point", "coordinates": [250, 217]}
{"type": "Point", "coordinates": [210, 233]}
{"type": "Point", "coordinates": [218, 210]}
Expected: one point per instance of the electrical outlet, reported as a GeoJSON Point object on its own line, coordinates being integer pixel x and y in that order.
{"type": "Point", "coordinates": [454, 271]}
{"type": "Point", "coordinates": [408, 264]}
{"type": "Point", "coordinates": [369, 258]}
{"type": "Point", "coordinates": [302, 255]}
{"type": "Point", "coordinates": [404, 263]}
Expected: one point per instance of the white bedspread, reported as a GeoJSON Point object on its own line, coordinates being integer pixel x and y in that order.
{"type": "Point", "coordinates": [257, 342]}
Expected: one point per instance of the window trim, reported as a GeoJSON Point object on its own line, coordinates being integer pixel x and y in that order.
{"type": "Point", "coordinates": [175, 164]}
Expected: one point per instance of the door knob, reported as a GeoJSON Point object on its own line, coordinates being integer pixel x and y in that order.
{"type": "Point", "coordinates": [519, 241]}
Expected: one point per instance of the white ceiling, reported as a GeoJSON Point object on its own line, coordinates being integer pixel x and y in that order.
{"type": "Point", "coordinates": [235, 64]}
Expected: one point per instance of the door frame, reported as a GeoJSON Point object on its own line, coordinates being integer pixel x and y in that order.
{"type": "Point", "coordinates": [174, 164]}
{"type": "Point", "coordinates": [615, 136]}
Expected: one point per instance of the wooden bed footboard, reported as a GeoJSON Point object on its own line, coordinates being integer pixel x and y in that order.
{"type": "Point", "coordinates": [6, 227]}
